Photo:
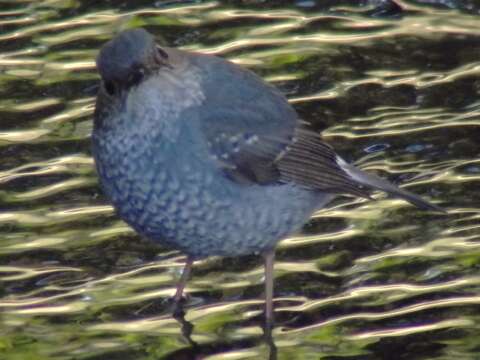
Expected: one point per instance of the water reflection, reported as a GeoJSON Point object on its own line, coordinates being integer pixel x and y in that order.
{"type": "Point", "coordinates": [394, 89]}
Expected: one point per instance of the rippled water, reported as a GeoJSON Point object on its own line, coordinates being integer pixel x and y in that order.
{"type": "Point", "coordinates": [394, 87]}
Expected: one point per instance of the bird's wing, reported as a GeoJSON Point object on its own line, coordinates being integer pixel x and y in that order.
{"type": "Point", "coordinates": [255, 136]}
{"type": "Point", "coordinates": [250, 147]}
{"type": "Point", "coordinates": [246, 123]}
{"type": "Point", "coordinates": [245, 145]}
{"type": "Point", "coordinates": [312, 163]}
{"type": "Point", "coordinates": [254, 155]}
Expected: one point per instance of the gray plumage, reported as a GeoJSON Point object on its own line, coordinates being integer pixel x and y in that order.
{"type": "Point", "coordinates": [202, 155]}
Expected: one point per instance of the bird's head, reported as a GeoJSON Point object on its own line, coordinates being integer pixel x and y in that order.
{"type": "Point", "coordinates": [128, 59]}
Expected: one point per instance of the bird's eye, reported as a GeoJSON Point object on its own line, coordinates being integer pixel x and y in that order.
{"type": "Point", "coordinates": [136, 76]}
{"type": "Point", "coordinates": [162, 53]}
{"type": "Point", "coordinates": [109, 87]}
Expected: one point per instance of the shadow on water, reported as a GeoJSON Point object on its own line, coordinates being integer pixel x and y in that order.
{"type": "Point", "coordinates": [393, 85]}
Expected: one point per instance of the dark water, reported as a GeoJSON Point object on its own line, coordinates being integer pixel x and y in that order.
{"type": "Point", "coordinates": [395, 87]}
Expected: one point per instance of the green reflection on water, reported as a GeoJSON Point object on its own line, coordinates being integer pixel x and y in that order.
{"type": "Point", "coordinates": [364, 278]}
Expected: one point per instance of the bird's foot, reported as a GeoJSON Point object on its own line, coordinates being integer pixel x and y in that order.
{"type": "Point", "coordinates": [186, 326]}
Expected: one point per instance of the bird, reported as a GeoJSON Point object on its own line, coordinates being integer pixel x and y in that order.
{"type": "Point", "coordinates": [201, 155]}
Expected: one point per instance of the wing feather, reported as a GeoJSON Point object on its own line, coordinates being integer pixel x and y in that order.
{"type": "Point", "coordinates": [312, 163]}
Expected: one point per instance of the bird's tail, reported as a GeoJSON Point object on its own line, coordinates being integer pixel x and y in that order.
{"type": "Point", "coordinates": [375, 182]}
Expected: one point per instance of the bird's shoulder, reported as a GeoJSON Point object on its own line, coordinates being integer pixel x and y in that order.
{"type": "Point", "coordinates": [244, 121]}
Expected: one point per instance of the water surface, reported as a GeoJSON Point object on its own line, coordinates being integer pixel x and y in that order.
{"type": "Point", "coordinates": [394, 87]}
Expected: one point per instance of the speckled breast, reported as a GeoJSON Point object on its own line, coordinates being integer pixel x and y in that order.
{"type": "Point", "coordinates": [169, 194]}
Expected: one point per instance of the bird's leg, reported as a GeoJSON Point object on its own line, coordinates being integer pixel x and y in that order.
{"type": "Point", "coordinates": [178, 313]}
{"type": "Point", "coordinates": [181, 283]}
{"type": "Point", "coordinates": [269, 258]}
